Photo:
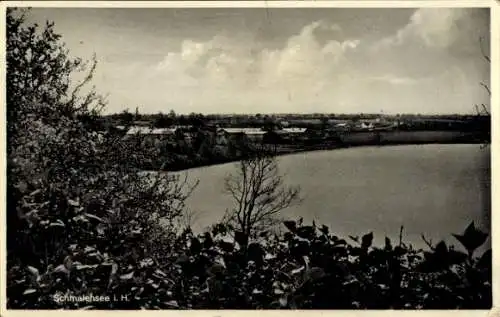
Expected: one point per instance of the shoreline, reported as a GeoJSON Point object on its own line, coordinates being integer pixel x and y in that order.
{"type": "Point", "coordinates": [353, 140]}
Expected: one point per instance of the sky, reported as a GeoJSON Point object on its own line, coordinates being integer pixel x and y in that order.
{"type": "Point", "coordinates": [281, 60]}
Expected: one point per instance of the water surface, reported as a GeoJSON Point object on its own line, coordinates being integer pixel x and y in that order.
{"type": "Point", "coordinates": [430, 189]}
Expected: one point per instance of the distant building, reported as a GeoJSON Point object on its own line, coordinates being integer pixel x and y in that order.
{"type": "Point", "coordinates": [294, 130]}
{"type": "Point", "coordinates": [252, 134]}
{"type": "Point", "coordinates": [141, 123]}
{"type": "Point", "coordinates": [366, 125]}
{"type": "Point", "coordinates": [150, 136]}
{"type": "Point", "coordinates": [141, 130]}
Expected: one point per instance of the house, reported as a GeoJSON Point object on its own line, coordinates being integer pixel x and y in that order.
{"type": "Point", "coordinates": [149, 136]}
{"type": "Point", "coordinates": [291, 134]}
{"type": "Point", "coordinates": [141, 123]}
{"type": "Point", "coordinates": [294, 130]}
{"type": "Point", "coordinates": [366, 125]}
{"type": "Point", "coordinates": [251, 134]}
{"type": "Point", "coordinates": [284, 123]}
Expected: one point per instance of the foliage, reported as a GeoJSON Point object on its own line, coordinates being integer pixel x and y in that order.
{"type": "Point", "coordinates": [75, 198]}
{"type": "Point", "coordinates": [307, 267]}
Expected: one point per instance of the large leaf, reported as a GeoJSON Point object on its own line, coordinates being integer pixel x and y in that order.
{"type": "Point", "coordinates": [366, 240]}
{"type": "Point", "coordinates": [485, 261]}
{"type": "Point", "coordinates": [388, 244]}
{"type": "Point", "coordinates": [306, 232]}
{"type": "Point", "coordinates": [127, 276]}
{"type": "Point", "coordinates": [472, 238]}
{"type": "Point", "coordinates": [290, 225]}
{"type": "Point", "coordinates": [29, 291]}
{"type": "Point", "coordinates": [324, 229]}
{"type": "Point", "coordinates": [34, 272]}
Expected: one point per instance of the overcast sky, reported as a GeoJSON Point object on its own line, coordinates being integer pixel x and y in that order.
{"type": "Point", "coordinates": [282, 60]}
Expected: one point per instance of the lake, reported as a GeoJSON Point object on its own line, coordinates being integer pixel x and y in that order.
{"type": "Point", "coordinates": [432, 189]}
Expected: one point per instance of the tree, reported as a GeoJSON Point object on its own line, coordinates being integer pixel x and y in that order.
{"type": "Point", "coordinates": [126, 118]}
{"type": "Point", "coordinates": [76, 202]}
{"type": "Point", "coordinates": [162, 121]}
{"type": "Point", "coordinates": [259, 195]}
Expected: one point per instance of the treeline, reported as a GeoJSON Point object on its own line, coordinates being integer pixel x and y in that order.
{"type": "Point", "coordinates": [473, 122]}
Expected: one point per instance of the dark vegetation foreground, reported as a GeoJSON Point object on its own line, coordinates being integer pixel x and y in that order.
{"type": "Point", "coordinates": [82, 221]}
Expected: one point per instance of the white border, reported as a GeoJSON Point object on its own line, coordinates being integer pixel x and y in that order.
{"type": "Point", "coordinates": [495, 102]}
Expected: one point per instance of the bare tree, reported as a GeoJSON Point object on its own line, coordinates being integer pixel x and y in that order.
{"type": "Point", "coordinates": [259, 195]}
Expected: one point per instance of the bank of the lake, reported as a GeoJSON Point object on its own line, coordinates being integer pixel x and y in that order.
{"type": "Point", "coordinates": [432, 189]}
{"type": "Point", "coordinates": [353, 139]}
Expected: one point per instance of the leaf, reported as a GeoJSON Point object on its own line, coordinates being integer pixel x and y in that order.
{"type": "Point", "coordinates": [226, 246]}
{"type": "Point", "coordinates": [324, 229]}
{"type": "Point", "coordinates": [91, 216]}
{"type": "Point", "coordinates": [290, 225]}
{"type": "Point", "coordinates": [172, 303]}
{"type": "Point", "coordinates": [160, 273]}
{"type": "Point", "coordinates": [114, 268]}
{"type": "Point", "coordinates": [366, 240]}
{"type": "Point", "coordinates": [80, 267]}
{"type": "Point", "coordinates": [61, 268]}
{"type": "Point", "coordinates": [127, 276]}
{"type": "Point", "coordinates": [297, 271]}
{"type": "Point", "coordinates": [269, 256]}
{"type": "Point", "coordinates": [183, 258]}
{"type": "Point", "coordinates": [316, 273]}
{"type": "Point", "coordinates": [486, 260]}
{"type": "Point", "coordinates": [22, 186]}
{"type": "Point", "coordinates": [147, 262]}
{"type": "Point", "coordinates": [306, 232]}
{"type": "Point", "coordinates": [441, 248]}
{"type": "Point", "coordinates": [283, 301]}
{"type": "Point", "coordinates": [257, 291]}
{"type": "Point", "coordinates": [73, 203]}
{"type": "Point", "coordinates": [58, 223]}
{"type": "Point", "coordinates": [34, 271]}
{"type": "Point", "coordinates": [354, 238]}
{"type": "Point", "coordinates": [195, 247]}
{"type": "Point", "coordinates": [340, 242]}
{"type": "Point", "coordinates": [29, 291]}
{"type": "Point", "coordinates": [278, 291]}
{"type": "Point", "coordinates": [388, 244]}
{"type": "Point", "coordinates": [216, 269]}
{"type": "Point", "coordinates": [472, 238]}
{"type": "Point", "coordinates": [100, 230]}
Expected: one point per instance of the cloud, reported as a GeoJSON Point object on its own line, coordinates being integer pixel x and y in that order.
{"type": "Point", "coordinates": [395, 80]}
{"type": "Point", "coordinates": [221, 60]}
{"type": "Point", "coordinates": [434, 31]}
{"type": "Point", "coordinates": [428, 65]}
{"type": "Point", "coordinates": [432, 27]}
{"type": "Point", "coordinates": [301, 68]}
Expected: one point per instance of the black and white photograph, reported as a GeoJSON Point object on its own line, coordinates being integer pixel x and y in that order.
{"type": "Point", "coordinates": [259, 157]}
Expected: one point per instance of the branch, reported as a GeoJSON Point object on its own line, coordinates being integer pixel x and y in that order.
{"type": "Point", "coordinates": [401, 236]}
{"type": "Point", "coordinates": [86, 80]}
{"type": "Point", "coordinates": [428, 242]}
{"type": "Point", "coordinates": [485, 56]}
{"type": "Point", "coordinates": [486, 87]}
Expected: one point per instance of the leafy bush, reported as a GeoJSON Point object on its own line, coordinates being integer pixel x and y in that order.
{"type": "Point", "coordinates": [77, 206]}
{"type": "Point", "coordinates": [308, 267]}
